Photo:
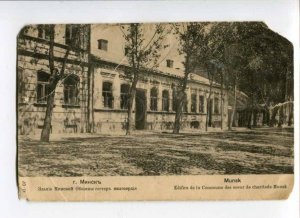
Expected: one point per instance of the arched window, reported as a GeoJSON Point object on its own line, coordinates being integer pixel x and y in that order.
{"type": "Point", "coordinates": [71, 90]}
{"type": "Point", "coordinates": [193, 103]}
{"type": "Point", "coordinates": [153, 97]}
{"type": "Point", "coordinates": [124, 96]}
{"type": "Point", "coordinates": [107, 95]}
{"type": "Point", "coordinates": [165, 100]}
{"type": "Point", "coordinates": [42, 86]}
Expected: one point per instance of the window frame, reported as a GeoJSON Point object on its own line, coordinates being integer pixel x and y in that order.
{"type": "Point", "coordinates": [216, 105]}
{"type": "Point", "coordinates": [165, 100]}
{"type": "Point", "coordinates": [193, 103]}
{"type": "Point", "coordinates": [72, 90]}
{"type": "Point", "coordinates": [124, 97]}
{"type": "Point", "coordinates": [185, 106]}
{"type": "Point", "coordinates": [103, 47]}
{"type": "Point", "coordinates": [201, 104]}
{"type": "Point", "coordinates": [107, 96]}
{"type": "Point", "coordinates": [153, 99]}
{"type": "Point", "coordinates": [170, 63]}
{"type": "Point", "coordinates": [126, 50]}
{"type": "Point", "coordinates": [72, 35]}
{"type": "Point", "coordinates": [42, 97]}
{"type": "Point", "coordinates": [44, 31]}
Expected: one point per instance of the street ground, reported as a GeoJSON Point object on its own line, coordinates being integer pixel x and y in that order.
{"type": "Point", "coordinates": [243, 151]}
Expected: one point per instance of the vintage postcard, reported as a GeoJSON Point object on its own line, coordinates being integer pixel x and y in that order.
{"type": "Point", "coordinates": [154, 111]}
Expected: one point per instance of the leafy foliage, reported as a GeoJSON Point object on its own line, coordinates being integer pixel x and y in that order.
{"type": "Point", "coordinates": [254, 54]}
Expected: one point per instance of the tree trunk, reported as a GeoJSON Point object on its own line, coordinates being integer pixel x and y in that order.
{"type": "Point", "coordinates": [250, 119]}
{"type": "Point", "coordinates": [45, 135]}
{"type": "Point", "coordinates": [179, 104]}
{"type": "Point", "coordinates": [273, 116]}
{"type": "Point", "coordinates": [54, 79]}
{"type": "Point", "coordinates": [266, 116]}
{"type": "Point", "coordinates": [90, 126]}
{"type": "Point", "coordinates": [207, 112]}
{"type": "Point", "coordinates": [92, 104]}
{"type": "Point", "coordinates": [286, 86]}
{"type": "Point", "coordinates": [291, 113]}
{"type": "Point", "coordinates": [222, 111]}
{"type": "Point", "coordinates": [132, 93]}
{"type": "Point", "coordinates": [233, 109]}
{"type": "Point", "coordinates": [281, 116]}
{"type": "Point", "coordinates": [222, 103]}
{"type": "Point", "coordinates": [208, 106]}
{"type": "Point", "coordinates": [182, 95]}
{"type": "Point", "coordinates": [255, 118]}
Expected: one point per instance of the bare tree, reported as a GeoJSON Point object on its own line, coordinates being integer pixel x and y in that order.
{"type": "Point", "coordinates": [210, 75]}
{"type": "Point", "coordinates": [142, 52]}
{"type": "Point", "coordinates": [55, 76]}
{"type": "Point", "coordinates": [214, 68]}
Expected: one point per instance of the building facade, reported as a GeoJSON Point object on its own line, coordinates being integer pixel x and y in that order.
{"type": "Point", "coordinates": [94, 93]}
{"type": "Point", "coordinates": [70, 104]}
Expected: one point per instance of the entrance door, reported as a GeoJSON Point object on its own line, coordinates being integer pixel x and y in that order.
{"type": "Point", "coordinates": [140, 109]}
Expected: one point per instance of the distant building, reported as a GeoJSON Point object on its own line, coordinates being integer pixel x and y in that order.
{"type": "Point", "coordinates": [94, 95]}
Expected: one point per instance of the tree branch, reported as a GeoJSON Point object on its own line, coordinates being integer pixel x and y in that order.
{"type": "Point", "coordinates": [51, 48]}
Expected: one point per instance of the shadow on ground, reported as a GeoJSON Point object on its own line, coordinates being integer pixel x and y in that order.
{"type": "Point", "coordinates": [258, 151]}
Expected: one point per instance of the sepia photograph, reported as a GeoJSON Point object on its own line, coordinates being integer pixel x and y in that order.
{"type": "Point", "coordinates": [154, 99]}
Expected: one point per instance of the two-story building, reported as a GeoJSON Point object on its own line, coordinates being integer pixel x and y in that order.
{"type": "Point", "coordinates": [94, 95]}
{"type": "Point", "coordinates": [70, 104]}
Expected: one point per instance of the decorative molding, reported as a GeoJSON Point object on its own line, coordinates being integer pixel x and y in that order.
{"type": "Point", "coordinates": [41, 104]}
{"type": "Point", "coordinates": [154, 82]}
{"type": "Point", "coordinates": [46, 57]}
{"type": "Point", "coordinates": [161, 112]}
{"type": "Point", "coordinates": [107, 74]}
{"type": "Point", "coordinates": [70, 106]}
{"type": "Point", "coordinates": [144, 80]}
{"type": "Point", "coordinates": [166, 84]}
{"type": "Point", "coordinates": [110, 110]}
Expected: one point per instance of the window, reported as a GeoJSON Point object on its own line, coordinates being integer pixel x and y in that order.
{"type": "Point", "coordinates": [103, 44]}
{"type": "Point", "coordinates": [153, 97]}
{"type": "Point", "coordinates": [165, 100]}
{"type": "Point", "coordinates": [170, 63]}
{"type": "Point", "coordinates": [73, 35]}
{"type": "Point", "coordinates": [71, 90]}
{"type": "Point", "coordinates": [42, 87]}
{"type": "Point", "coordinates": [126, 51]}
{"type": "Point", "coordinates": [193, 103]}
{"type": "Point", "coordinates": [107, 95]}
{"type": "Point", "coordinates": [184, 105]}
{"type": "Point", "coordinates": [201, 104]}
{"type": "Point", "coordinates": [44, 32]}
{"type": "Point", "coordinates": [124, 96]}
{"type": "Point", "coordinates": [216, 106]}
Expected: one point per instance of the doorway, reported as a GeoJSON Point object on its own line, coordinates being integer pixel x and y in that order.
{"type": "Point", "coordinates": [140, 109]}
